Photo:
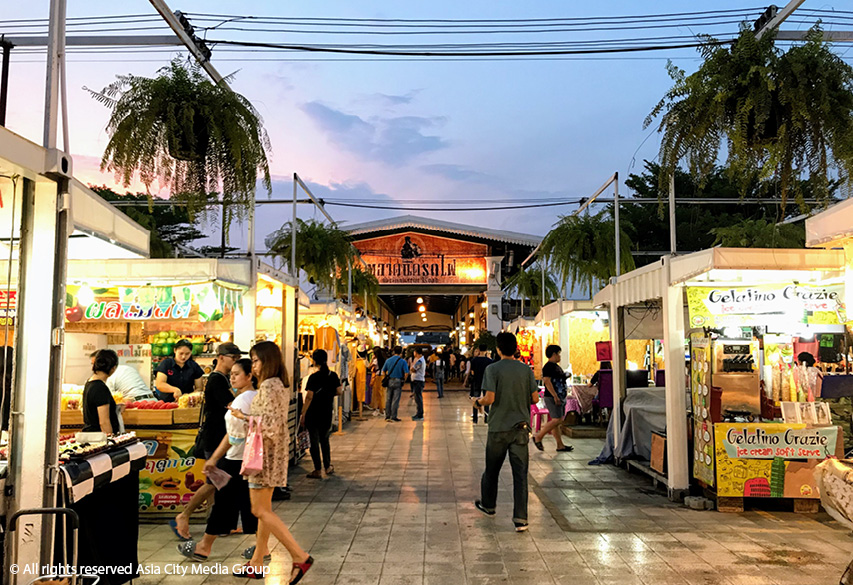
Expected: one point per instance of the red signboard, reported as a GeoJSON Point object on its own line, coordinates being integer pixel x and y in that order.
{"type": "Point", "coordinates": [414, 258]}
{"type": "Point", "coordinates": [603, 351]}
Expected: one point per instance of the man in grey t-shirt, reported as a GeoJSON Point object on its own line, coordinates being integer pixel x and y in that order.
{"type": "Point", "coordinates": [510, 389]}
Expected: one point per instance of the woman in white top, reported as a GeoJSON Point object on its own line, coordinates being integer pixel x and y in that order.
{"type": "Point", "coordinates": [233, 498]}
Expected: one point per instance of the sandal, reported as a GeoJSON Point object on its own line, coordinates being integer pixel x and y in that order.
{"type": "Point", "coordinates": [247, 571]}
{"type": "Point", "coordinates": [316, 474]}
{"type": "Point", "coordinates": [187, 549]}
{"type": "Point", "coordinates": [250, 552]}
{"type": "Point", "coordinates": [538, 444]}
{"type": "Point", "coordinates": [565, 449]}
{"type": "Point", "coordinates": [173, 524]}
{"type": "Point", "coordinates": [330, 470]}
{"type": "Point", "coordinates": [301, 568]}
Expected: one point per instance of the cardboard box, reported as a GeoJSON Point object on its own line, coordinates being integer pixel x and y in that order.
{"type": "Point", "coordinates": [136, 416]}
{"type": "Point", "coordinates": [182, 416]}
{"type": "Point", "coordinates": [658, 457]}
{"type": "Point", "coordinates": [71, 418]}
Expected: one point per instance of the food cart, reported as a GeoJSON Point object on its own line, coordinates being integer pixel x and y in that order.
{"type": "Point", "coordinates": [744, 311]}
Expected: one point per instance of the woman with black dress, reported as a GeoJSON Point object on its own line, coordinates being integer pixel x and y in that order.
{"type": "Point", "coordinates": [323, 385]}
{"type": "Point", "coordinates": [99, 409]}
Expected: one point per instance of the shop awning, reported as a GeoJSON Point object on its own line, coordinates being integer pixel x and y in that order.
{"type": "Point", "coordinates": [99, 230]}
{"type": "Point", "coordinates": [638, 286]}
{"type": "Point", "coordinates": [828, 229]}
{"type": "Point", "coordinates": [229, 273]}
{"type": "Point", "coordinates": [754, 265]}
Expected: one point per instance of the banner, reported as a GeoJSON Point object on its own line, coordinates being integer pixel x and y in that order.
{"type": "Point", "coordinates": [766, 305]}
{"type": "Point", "coordinates": [206, 302]}
{"type": "Point", "coordinates": [771, 460]}
{"type": "Point", "coordinates": [414, 258]}
{"type": "Point", "coordinates": [171, 475]}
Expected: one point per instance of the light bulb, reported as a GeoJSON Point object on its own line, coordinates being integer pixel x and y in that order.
{"type": "Point", "coordinates": [419, 300]}
{"type": "Point", "coordinates": [85, 296]}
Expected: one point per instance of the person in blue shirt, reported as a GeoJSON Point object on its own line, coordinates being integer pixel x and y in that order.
{"type": "Point", "coordinates": [395, 369]}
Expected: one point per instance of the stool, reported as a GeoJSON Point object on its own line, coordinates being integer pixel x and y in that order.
{"type": "Point", "coordinates": [536, 414]}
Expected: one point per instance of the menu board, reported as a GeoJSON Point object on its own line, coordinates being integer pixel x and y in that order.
{"type": "Point", "coordinates": [700, 390]}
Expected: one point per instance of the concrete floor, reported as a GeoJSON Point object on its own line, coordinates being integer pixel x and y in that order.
{"type": "Point", "coordinates": [399, 512]}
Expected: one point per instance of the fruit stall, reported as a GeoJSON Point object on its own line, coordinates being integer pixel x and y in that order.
{"type": "Point", "coordinates": [141, 309]}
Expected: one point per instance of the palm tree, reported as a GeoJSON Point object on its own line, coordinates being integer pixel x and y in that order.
{"type": "Point", "coordinates": [527, 284]}
{"type": "Point", "coordinates": [321, 250]}
{"type": "Point", "coordinates": [783, 117]}
{"type": "Point", "coordinates": [581, 248]}
{"type": "Point", "coordinates": [759, 233]}
{"type": "Point", "coordinates": [193, 135]}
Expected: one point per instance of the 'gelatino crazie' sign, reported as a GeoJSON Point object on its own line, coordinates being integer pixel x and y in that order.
{"type": "Point", "coordinates": [414, 258]}
{"type": "Point", "coordinates": [767, 442]}
{"type": "Point", "coordinates": [766, 304]}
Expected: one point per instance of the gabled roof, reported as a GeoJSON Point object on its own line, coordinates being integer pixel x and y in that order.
{"type": "Point", "coordinates": [435, 225]}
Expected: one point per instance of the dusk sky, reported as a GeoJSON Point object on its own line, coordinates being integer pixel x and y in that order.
{"type": "Point", "coordinates": [422, 130]}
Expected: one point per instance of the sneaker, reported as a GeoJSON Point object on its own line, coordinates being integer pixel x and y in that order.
{"type": "Point", "coordinates": [479, 505]}
{"type": "Point", "coordinates": [395, 419]}
{"type": "Point", "coordinates": [520, 526]}
{"type": "Point", "coordinates": [375, 413]}
{"type": "Point", "coordinates": [417, 418]}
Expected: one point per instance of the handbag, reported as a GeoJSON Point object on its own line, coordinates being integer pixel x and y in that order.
{"type": "Point", "coordinates": [303, 439]}
{"type": "Point", "coordinates": [253, 453]}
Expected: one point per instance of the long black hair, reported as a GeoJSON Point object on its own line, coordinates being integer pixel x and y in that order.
{"type": "Point", "coordinates": [379, 353]}
{"type": "Point", "coordinates": [105, 361]}
{"type": "Point", "coordinates": [321, 358]}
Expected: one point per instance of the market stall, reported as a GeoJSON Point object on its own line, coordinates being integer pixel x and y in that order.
{"type": "Point", "coordinates": [141, 309]}
{"type": "Point", "coordinates": [747, 313]}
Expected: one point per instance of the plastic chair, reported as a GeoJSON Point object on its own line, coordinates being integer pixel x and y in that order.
{"type": "Point", "coordinates": [537, 413]}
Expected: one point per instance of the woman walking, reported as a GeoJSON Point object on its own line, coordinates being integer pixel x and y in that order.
{"type": "Point", "coordinates": [323, 386]}
{"type": "Point", "coordinates": [439, 367]}
{"type": "Point", "coordinates": [378, 399]}
{"type": "Point", "coordinates": [233, 498]}
{"type": "Point", "coordinates": [270, 406]}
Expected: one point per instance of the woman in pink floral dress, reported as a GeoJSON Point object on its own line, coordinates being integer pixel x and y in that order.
{"type": "Point", "coordinates": [271, 405]}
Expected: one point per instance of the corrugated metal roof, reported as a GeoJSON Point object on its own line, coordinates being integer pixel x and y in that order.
{"type": "Point", "coordinates": [423, 223]}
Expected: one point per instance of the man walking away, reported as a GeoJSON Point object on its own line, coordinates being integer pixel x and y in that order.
{"type": "Point", "coordinates": [556, 391]}
{"type": "Point", "coordinates": [510, 388]}
{"type": "Point", "coordinates": [418, 381]}
{"type": "Point", "coordinates": [478, 367]}
{"type": "Point", "coordinates": [396, 369]}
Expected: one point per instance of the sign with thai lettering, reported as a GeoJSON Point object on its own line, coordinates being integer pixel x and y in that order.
{"type": "Point", "coordinates": [766, 304]}
{"type": "Point", "coordinates": [8, 307]}
{"type": "Point", "coordinates": [205, 301]}
{"type": "Point", "coordinates": [415, 258]}
{"type": "Point", "coordinates": [771, 460]}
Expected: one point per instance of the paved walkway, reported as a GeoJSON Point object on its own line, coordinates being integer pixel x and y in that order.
{"type": "Point", "coordinates": [399, 512]}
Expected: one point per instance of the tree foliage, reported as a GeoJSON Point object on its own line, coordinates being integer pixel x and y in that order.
{"type": "Point", "coordinates": [192, 135]}
{"type": "Point", "coordinates": [527, 283]}
{"type": "Point", "coordinates": [321, 250]}
{"type": "Point", "coordinates": [365, 286]}
{"type": "Point", "coordinates": [169, 225]}
{"type": "Point", "coordinates": [581, 248]}
{"type": "Point", "coordinates": [784, 118]}
{"type": "Point", "coordinates": [759, 233]}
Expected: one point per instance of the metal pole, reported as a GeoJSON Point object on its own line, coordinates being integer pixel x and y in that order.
{"type": "Point", "coordinates": [349, 284]}
{"type": "Point", "coordinates": [672, 244]}
{"type": "Point", "coordinates": [293, 271]}
{"type": "Point", "coordinates": [4, 80]}
{"type": "Point", "coordinates": [542, 270]}
{"type": "Point", "coordinates": [616, 221]}
{"type": "Point", "coordinates": [222, 238]}
{"type": "Point", "coordinates": [54, 55]}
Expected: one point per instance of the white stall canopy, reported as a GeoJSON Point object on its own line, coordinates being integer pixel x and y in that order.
{"type": "Point", "coordinates": [99, 230]}
{"type": "Point", "coordinates": [830, 228]}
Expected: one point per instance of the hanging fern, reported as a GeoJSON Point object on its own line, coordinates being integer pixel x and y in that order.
{"type": "Point", "coordinates": [581, 248]}
{"type": "Point", "coordinates": [785, 119]}
{"type": "Point", "coordinates": [188, 133]}
{"type": "Point", "coordinates": [365, 287]}
{"type": "Point", "coordinates": [321, 250]}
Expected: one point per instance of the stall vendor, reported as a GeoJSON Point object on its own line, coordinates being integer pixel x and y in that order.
{"type": "Point", "coordinates": [178, 375]}
{"type": "Point", "coordinates": [99, 408]}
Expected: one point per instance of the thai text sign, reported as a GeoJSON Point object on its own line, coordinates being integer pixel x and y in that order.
{"type": "Point", "coordinates": [414, 258]}
{"type": "Point", "coordinates": [766, 304]}
{"type": "Point", "coordinates": [771, 441]}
